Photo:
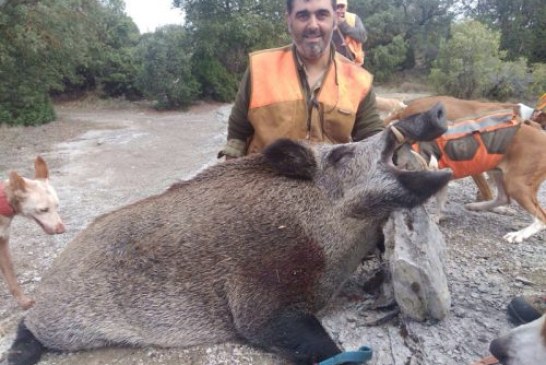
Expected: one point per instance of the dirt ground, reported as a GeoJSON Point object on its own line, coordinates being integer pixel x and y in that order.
{"type": "Point", "coordinates": [105, 155]}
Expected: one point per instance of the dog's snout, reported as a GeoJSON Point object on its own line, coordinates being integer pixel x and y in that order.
{"type": "Point", "coordinates": [60, 228]}
{"type": "Point", "coordinates": [498, 350]}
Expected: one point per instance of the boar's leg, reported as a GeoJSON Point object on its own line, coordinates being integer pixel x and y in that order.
{"type": "Point", "coordinates": [295, 334]}
{"type": "Point", "coordinates": [299, 336]}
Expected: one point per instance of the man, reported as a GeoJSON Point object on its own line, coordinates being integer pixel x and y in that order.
{"type": "Point", "coordinates": [350, 34]}
{"type": "Point", "coordinates": [539, 115]}
{"type": "Point", "coordinates": [305, 91]}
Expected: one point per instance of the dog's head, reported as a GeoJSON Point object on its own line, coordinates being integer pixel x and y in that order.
{"type": "Point", "coordinates": [36, 198]}
{"type": "Point", "coordinates": [524, 345]}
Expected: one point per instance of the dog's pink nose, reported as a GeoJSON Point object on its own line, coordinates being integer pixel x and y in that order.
{"type": "Point", "coordinates": [59, 228]}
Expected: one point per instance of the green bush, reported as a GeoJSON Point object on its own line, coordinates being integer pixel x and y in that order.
{"type": "Point", "coordinates": [383, 61]}
{"type": "Point", "coordinates": [468, 62]}
{"type": "Point", "coordinates": [166, 75]}
{"type": "Point", "coordinates": [510, 80]}
{"type": "Point", "coordinates": [215, 80]}
{"type": "Point", "coordinates": [470, 65]}
{"type": "Point", "coordinates": [35, 111]}
{"type": "Point", "coordinates": [537, 87]}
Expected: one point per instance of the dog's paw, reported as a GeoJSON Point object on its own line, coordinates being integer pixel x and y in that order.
{"type": "Point", "coordinates": [514, 237]}
{"type": "Point", "coordinates": [25, 302]}
{"type": "Point", "coordinates": [504, 210]}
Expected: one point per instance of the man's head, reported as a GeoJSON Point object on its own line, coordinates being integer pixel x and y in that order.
{"type": "Point", "coordinates": [311, 24]}
{"type": "Point", "coordinates": [341, 7]}
{"type": "Point", "coordinates": [539, 115]}
{"type": "Point", "coordinates": [290, 4]}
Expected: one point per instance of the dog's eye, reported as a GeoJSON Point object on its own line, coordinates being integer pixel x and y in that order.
{"type": "Point", "coordinates": [44, 210]}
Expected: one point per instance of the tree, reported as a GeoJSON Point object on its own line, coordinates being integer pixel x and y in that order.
{"type": "Point", "coordinates": [40, 44]}
{"type": "Point", "coordinates": [470, 65]}
{"type": "Point", "coordinates": [166, 75]}
{"type": "Point", "coordinates": [522, 24]}
{"type": "Point", "coordinates": [413, 26]}
{"type": "Point", "coordinates": [53, 46]}
{"type": "Point", "coordinates": [223, 33]}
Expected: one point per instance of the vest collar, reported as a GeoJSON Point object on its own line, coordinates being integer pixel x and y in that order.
{"type": "Point", "coordinates": [5, 207]}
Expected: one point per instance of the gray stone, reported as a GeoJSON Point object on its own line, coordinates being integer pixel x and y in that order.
{"type": "Point", "coordinates": [416, 250]}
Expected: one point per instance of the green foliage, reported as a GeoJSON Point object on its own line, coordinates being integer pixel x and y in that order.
{"type": "Point", "coordinates": [385, 60]}
{"type": "Point", "coordinates": [34, 109]}
{"type": "Point", "coordinates": [112, 60]}
{"type": "Point", "coordinates": [421, 24]}
{"type": "Point", "coordinates": [40, 45]}
{"type": "Point", "coordinates": [224, 32]}
{"type": "Point", "coordinates": [57, 46]}
{"type": "Point", "coordinates": [537, 87]}
{"type": "Point", "coordinates": [521, 23]}
{"type": "Point", "coordinates": [511, 79]}
{"type": "Point", "coordinates": [215, 80]}
{"type": "Point", "coordinates": [470, 65]}
{"type": "Point", "coordinates": [166, 75]}
{"type": "Point", "coordinates": [467, 62]}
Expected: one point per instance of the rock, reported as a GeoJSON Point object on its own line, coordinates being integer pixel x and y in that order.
{"type": "Point", "coordinates": [416, 252]}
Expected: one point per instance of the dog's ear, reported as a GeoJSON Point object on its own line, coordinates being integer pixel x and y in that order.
{"type": "Point", "coordinates": [40, 168]}
{"type": "Point", "coordinates": [16, 182]}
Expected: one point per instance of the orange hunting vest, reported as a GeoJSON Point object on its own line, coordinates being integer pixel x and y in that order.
{"type": "Point", "coordinates": [472, 146]}
{"type": "Point", "coordinates": [278, 108]}
{"type": "Point", "coordinates": [354, 46]}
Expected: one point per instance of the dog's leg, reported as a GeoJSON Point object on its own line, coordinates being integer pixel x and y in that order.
{"type": "Point", "coordinates": [441, 196]}
{"type": "Point", "coordinates": [483, 187]}
{"type": "Point", "coordinates": [441, 199]}
{"type": "Point", "coordinates": [526, 195]}
{"type": "Point", "coordinates": [503, 198]}
{"type": "Point", "coordinates": [6, 267]}
{"type": "Point", "coordinates": [519, 236]}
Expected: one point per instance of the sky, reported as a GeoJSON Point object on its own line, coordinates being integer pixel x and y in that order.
{"type": "Point", "coordinates": [149, 14]}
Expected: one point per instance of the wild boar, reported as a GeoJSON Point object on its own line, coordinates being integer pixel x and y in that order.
{"type": "Point", "coordinates": [249, 249]}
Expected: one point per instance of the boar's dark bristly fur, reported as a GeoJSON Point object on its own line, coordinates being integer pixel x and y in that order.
{"type": "Point", "coordinates": [249, 249]}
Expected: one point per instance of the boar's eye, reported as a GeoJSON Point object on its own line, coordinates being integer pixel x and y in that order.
{"type": "Point", "coordinates": [340, 153]}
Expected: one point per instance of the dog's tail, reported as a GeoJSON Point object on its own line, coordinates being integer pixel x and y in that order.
{"type": "Point", "coordinates": [26, 349]}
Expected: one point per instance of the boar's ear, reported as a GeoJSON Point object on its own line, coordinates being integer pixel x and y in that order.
{"type": "Point", "coordinates": [291, 159]}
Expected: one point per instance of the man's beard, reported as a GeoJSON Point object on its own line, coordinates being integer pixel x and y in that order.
{"type": "Point", "coordinates": [316, 49]}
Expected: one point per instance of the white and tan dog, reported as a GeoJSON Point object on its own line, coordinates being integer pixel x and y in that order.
{"type": "Point", "coordinates": [32, 198]}
{"type": "Point", "coordinates": [524, 345]}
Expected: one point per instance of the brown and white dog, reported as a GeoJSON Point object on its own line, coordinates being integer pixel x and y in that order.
{"type": "Point", "coordinates": [391, 106]}
{"type": "Point", "coordinates": [524, 345]}
{"type": "Point", "coordinates": [32, 198]}
{"type": "Point", "coordinates": [455, 109]}
{"type": "Point", "coordinates": [518, 175]}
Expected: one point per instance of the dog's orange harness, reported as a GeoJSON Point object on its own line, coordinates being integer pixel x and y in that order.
{"type": "Point", "coordinates": [472, 146]}
{"type": "Point", "coordinates": [5, 207]}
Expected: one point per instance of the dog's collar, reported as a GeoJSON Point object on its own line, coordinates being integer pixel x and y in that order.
{"type": "Point", "coordinates": [5, 207]}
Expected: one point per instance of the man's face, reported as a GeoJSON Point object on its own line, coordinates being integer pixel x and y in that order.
{"type": "Point", "coordinates": [539, 117]}
{"type": "Point", "coordinates": [311, 25]}
{"type": "Point", "coordinates": [340, 11]}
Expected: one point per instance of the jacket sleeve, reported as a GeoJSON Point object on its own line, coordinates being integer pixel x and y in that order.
{"type": "Point", "coordinates": [239, 127]}
{"type": "Point", "coordinates": [367, 121]}
{"type": "Point", "coordinates": [358, 32]}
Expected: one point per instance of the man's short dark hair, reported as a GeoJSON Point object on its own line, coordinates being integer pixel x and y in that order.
{"type": "Point", "coordinates": [289, 5]}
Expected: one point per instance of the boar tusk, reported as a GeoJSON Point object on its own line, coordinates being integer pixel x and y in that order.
{"type": "Point", "coordinates": [420, 159]}
{"type": "Point", "coordinates": [399, 136]}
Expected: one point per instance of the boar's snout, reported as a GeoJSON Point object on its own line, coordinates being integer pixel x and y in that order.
{"type": "Point", "coordinates": [425, 126]}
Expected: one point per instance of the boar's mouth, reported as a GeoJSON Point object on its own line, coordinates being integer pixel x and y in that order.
{"type": "Point", "coordinates": [420, 127]}
{"type": "Point", "coordinates": [425, 126]}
